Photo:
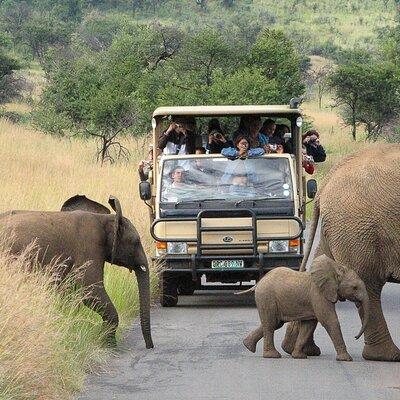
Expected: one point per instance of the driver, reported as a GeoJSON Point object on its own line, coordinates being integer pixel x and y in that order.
{"type": "Point", "coordinates": [174, 191]}
{"type": "Point", "coordinates": [240, 186]}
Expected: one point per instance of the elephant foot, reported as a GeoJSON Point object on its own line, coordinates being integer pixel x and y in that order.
{"type": "Point", "coordinates": [272, 354]}
{"type": "Point", "coordinates": [311, 349]}
{"type": "Point", "coordinates": [344, 357]}
{"type": "Point", "coordinates": [381, 352]}
{"type": "Point", "coordinates": [249, 344]}
{"type": "Point", "coordinates": [299, 354]}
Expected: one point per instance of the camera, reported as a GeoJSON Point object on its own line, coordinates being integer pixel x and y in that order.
{"type": "Point", "coordinates": [273, 148]}
{"type": "Point", "coordinates": [308, 158]}
{"type": "Point", "coordinates": [217, 135]}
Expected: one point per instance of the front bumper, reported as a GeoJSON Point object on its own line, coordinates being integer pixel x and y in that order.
{"type": "Point", "coordinates": [197, 266]}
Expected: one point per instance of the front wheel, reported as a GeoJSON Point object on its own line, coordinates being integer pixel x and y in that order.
{"type": "Point", "coordinates": [168, 291]}
{"type": "Point", "coordinates": [186, 287]}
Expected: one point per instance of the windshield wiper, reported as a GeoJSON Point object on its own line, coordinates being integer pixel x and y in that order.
{"type": "Point", "coordinates": [195, 201]}
{"type": "Point", "coordinates": [260, 198]}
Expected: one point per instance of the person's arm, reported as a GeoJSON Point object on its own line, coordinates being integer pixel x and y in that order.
{"type": "Point", "coordinates": [142, 174]}
{"type": "Point", "coordinates": [166, 136]}
{"type": "Point", "coordinates": [256, 151]}
{"type": "Point", "coordinates": [162, 141]}
{"type": "Point", "coordinates": [229, 152]}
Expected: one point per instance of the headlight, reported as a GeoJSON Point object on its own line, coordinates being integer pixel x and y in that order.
{"type": "Point", "coordinates": [278, 246]}
{"type": "Point", "coordinates": [176, 248]}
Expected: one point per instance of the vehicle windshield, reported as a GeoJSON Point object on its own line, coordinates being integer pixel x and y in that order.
{"type": "Point", "coordinates": [206, 179]}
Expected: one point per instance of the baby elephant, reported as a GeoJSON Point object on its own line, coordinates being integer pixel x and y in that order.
{"type": "Point", "coordinates": [309, 297]}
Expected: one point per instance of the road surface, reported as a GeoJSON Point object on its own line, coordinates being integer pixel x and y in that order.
{"type": "Point", "coordinates": [199, 354]}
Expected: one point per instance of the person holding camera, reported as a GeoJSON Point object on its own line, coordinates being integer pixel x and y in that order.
{"type": "Point", "coordinates": [180, 137]}
{"type": "Point", "coordinates": [216, 137]}
{"type": "Point", "coordinates": [242, 149]}
{"type": "Point", "coordinates": [313, 146]}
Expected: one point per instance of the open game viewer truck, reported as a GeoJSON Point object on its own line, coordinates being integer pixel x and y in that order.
{"type": "Point", "coordinates": [215, 228]}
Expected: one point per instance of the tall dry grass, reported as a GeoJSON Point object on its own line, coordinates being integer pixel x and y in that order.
{"type": "Point", "coordinates": [39, 172]}
{"type": "Point", "coordinates": [46, 345]}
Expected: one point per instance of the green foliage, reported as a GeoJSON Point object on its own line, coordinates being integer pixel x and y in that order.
{"type": "Point", "coordinates": [201, 54]}
{"type": "Point", "coordinates": [367, 95]}
{"type": "Point", "coordinates": [145, 66]}
{"type": "Point", "coordinates": [40, 32]}
{"type": "Point", "coordinates": [9, 84]}
{"type": "Point", "coordinates": [328, 25]}
{"type": "Point", "coordinates": [389, 41]}
{"type": "Point", "coordinates": [277, 58]}
{"type": "Point", "coordinates": [245, 86]}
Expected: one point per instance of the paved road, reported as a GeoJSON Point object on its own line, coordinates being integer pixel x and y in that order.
{"type": "Point", "coordinates": [199, 355]}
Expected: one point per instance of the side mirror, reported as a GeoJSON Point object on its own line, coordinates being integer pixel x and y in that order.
{"type": "Point", "coordinates": [311, 188]}
{"type": "Point", "coordinates": [145, 190]}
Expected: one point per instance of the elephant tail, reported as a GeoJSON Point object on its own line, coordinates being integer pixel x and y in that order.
{"type": "Point", "coordinates": [252, 289]}
{"type": "Point", "coordinates": [313, 230]}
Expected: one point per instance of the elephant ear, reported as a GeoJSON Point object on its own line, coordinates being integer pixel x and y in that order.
{"type": "Point", "coordinates": [80, 202]}
{"type": "Point", "coordinates": [325, 276]}
{"type": "Point", "coordinates": [116, 206]}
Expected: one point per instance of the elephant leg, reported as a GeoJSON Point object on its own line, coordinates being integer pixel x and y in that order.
{"type": "Point", "coordinates": [289, 341]}
{"type": "Point", "coordinates": [250, 341]}
{"type": "Point", "coordinates": [378, 344]}
{"type": "Point", "coordinates": [97, 299]}
{"type": "Point", "coordinates": [269, 346]}
{"type": "Point", "coordinates": [331, 323]}
{"type": "Point", "coordinates": [305, 331]}
{"type": "Point", "coordinates": [292, 331]}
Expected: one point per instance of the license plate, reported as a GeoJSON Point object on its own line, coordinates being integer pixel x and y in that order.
{"type": "Point", "coordinates": [226, 264]}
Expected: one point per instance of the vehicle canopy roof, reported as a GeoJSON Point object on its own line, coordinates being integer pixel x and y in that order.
{"type": "Point", "coordinates": [282, 111]}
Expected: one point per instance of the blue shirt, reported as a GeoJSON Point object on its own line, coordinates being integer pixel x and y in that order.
{"type": "Point", "coordinates": [233, 152]}
{"type": "Point", "coordinates": [262, 139]}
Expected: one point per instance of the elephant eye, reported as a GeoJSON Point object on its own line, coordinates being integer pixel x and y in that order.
{"type": "Point", "coordinates": [355, 287]}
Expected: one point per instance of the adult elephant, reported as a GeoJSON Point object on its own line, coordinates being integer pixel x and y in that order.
{"type": "Point", "coordinates": [359, 209]}
{"type": "Point", "coordinates": [86, 238]}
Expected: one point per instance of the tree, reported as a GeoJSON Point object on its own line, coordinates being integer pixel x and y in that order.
{"type": "Point", "coordinates": [40, 32]}
{"type": "Point", "coordinates": [367, 94]}
{"type": "Point", "coordinates": [319, 80]}
{"type": "Point", "coordinates": [245, 86]}
{"type": "Point", "coordinates": [201, 54]}
{"type": "Point", "coordinates": [380, 103]}
{"type": "Point", "coordinates": [99, 92]}
{"type": "Point", "coordinates": [274, 53]}
{"type": "Point", "coordinates": [9, 84]}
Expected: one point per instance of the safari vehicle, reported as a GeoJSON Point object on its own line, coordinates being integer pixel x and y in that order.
{"type": "Point", "coordinates": [213, 230]}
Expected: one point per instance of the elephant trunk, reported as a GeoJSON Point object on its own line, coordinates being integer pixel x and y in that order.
{"type": "Point", "coordinates": [143, 279]}
{"type": "Point", "coordinates": [365, 313]}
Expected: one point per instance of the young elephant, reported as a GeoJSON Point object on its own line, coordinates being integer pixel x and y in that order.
{"type": "Point", "coordinates": [285, 295]}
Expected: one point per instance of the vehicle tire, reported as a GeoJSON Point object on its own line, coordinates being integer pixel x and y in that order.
{"type": "Point", "coordinates": [186, 288]}
{"type": "Point", "coordinates": [168, 291]}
